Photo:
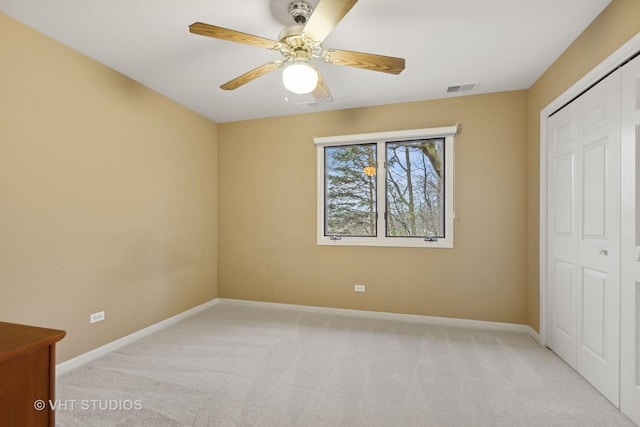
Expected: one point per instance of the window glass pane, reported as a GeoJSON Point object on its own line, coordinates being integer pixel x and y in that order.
{"type": "Point", "coordinates": [350, 190]}
{"type": "Point", "coordinates": [415, 188]}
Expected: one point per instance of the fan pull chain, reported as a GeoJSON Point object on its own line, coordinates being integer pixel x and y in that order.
{"type": "Point", "coordinates": [286, 95]}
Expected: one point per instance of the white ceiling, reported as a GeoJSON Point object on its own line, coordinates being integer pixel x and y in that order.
{"type": "Point", "coordinates": [500, 44]}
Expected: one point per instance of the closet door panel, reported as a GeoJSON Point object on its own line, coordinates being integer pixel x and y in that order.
{"type": "Point", "coordinates": [562, 273]}
{"type": "Point", "coordinates": [598, 350]}
{"type": "Point", "coordinates": [594, 191]}
{"type": "Point", "coordinates": [594, 284]}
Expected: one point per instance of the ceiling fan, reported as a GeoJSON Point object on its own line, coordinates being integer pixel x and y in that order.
{"type": "Point", "coordinates": [300, 44]}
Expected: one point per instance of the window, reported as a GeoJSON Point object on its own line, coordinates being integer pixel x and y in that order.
{"type": "Point", "coordinates": [386, 189]}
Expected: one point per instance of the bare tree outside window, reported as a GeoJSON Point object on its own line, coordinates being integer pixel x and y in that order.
{"type": "Point", "coordinates": [415, 188]}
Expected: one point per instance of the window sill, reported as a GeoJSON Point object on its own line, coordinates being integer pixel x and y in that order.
{"type": "Point", "coordinates": [398, 242]}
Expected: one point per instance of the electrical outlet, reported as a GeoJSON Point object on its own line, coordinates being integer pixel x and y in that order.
{"type": "Point", "coordinates": [358, 288]}
{"type": "Point", "coordinates": [96, 317]}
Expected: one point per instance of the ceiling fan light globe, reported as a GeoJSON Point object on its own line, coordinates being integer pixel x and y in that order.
{"type": "Point", "coordinates": [300, 78]}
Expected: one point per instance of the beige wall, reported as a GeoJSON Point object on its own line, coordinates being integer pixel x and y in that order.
{"type": "Point", "coordinates": [108, 196]}
{"type": "Point", "coordinates": [267, 207]}
{"type": "Point", "coordinates": [616, 24]}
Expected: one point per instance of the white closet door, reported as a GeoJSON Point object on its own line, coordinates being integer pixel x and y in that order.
{"type": "Point", "coordinates": [562, 263]}
{"type": "Point", "coordinates": [584, 235]}
{"type": "Point", "coordinates": [630, 256]}
{"type": "Point", "coordinates": [598, 358]}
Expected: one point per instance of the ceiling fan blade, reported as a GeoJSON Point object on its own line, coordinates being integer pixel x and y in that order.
{"type": "Point", "coordinates": [325, 17]}
{"type": "Point", "coordinates": [231, 35]}
{"type": "Point", "coordinates": [321, 93]}
{"type": "Point", "coordinates": [367, 61]}
{"type": "Point", "coordinates": [251, 75]}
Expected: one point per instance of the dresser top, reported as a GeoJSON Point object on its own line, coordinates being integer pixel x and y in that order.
{"type": "Point", "coordinates": [17, 339]}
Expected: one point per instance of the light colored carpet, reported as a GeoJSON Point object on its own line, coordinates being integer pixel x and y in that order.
{"type": "Point", "coordinates": [233, 365]}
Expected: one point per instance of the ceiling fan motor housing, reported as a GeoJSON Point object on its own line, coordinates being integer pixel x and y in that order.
{"type": "Point", "coordinates": [294, 45]}
{"type": "Point", "coordinates": [300, 11]}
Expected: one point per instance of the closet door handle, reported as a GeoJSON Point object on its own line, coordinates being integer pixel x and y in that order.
{"type": "Point", "coordinates": [604, 252]}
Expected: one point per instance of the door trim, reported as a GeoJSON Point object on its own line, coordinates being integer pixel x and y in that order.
{"type": "Point", "coordinates": [617, 58]}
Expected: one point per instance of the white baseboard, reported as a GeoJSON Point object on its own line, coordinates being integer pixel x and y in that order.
{"type": "Point", "coordinates": [445, 321]}
{"type": "Point", "coordinates": [536, 336]}
{"type": "Point", "coordinates": [66, 366]}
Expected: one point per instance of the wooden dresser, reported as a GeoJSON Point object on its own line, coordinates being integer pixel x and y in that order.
{"type": "Point", "coordinates": [27, 374]}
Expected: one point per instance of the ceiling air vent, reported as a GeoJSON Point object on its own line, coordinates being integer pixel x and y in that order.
{"type": "Point", "coordinates": [462, 88]}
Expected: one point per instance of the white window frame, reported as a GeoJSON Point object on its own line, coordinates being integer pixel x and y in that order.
{"type": "Point", "coordinates": [380, 138]}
